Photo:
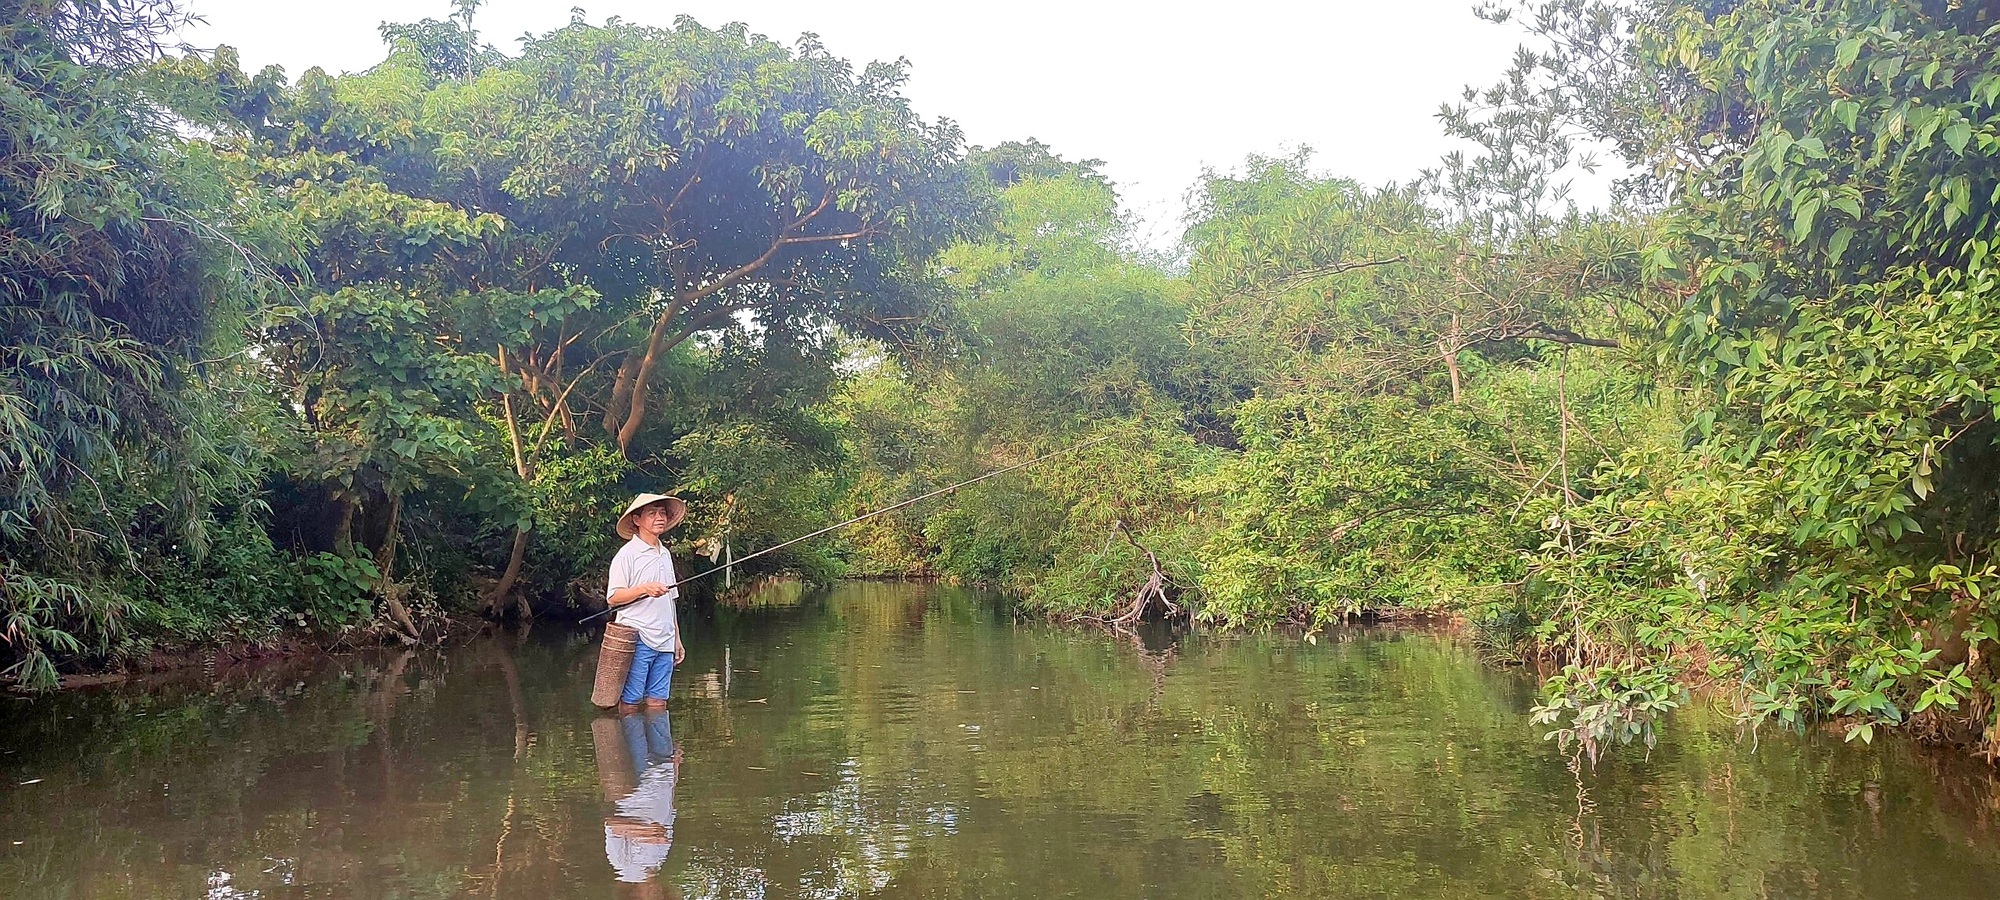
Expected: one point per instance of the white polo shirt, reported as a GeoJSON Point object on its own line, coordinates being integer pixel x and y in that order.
{"type": "Point", "coordinates": [653, 617]}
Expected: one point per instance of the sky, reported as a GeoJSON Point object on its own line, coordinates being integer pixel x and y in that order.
{"type": "Point", "coordinates": [1158, 94]}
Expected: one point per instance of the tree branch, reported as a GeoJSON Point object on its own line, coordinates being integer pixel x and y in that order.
{"type": "Point", "coordinates": [657, 343]}
{"type": "Point", "coordinates": [1543, 331]}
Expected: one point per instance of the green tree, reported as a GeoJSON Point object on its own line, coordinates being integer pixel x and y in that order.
{"type": "Point", "coordinates": [125, 409]}
{"type": "Point", "coordinates": [695, 176]}
{"type": "Point", "coordinates": [505, 249]}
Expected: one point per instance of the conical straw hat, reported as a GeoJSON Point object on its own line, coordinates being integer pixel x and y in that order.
{"type": "Point", "coordinates": [677, 509]}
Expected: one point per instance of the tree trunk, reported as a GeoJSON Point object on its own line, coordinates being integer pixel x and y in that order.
{"type": "Point", "coordinates": [496, 601]}
{"type": "Point", "coordinates": [636, 402]}
{"type": "Point", "coordinates": [386, 560]}
{"type": "Point", "coordinates": [343, 532]}
{"type": "Point", "coordinates": [1448, 347]}
{"type": "Point", "coordinates": [621, 394]}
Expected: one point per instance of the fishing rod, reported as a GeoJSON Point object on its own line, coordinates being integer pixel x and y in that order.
{"type": "Point", "coordinates": [865, 516]}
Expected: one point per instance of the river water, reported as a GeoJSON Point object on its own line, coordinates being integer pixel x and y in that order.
{"type": "Point", "coordinates": [897, 740]}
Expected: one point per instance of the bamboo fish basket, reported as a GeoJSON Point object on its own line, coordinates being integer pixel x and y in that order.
{"type": "Point", "coordinates": [614, 662]}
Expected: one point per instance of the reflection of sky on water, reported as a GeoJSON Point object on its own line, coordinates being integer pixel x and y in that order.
{"type": "Point", "coordinates": [220, 888]}
{"type": "Point", "coordinates": [878, 829]}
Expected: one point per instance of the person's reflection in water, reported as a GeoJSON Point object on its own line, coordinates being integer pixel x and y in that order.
{"type": "Point", "coordinates": [638, 765]}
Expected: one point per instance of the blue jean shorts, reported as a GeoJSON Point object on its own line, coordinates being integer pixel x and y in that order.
{"type": "Point", "coordinates": [652, 671]}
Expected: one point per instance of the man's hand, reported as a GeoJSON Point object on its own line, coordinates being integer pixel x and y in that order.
{"type": "Point", "coordinates": [680, 652]}
{"type": "Point", "coordinates": [652, 589]}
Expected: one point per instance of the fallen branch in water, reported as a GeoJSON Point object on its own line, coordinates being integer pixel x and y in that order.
{"type": "Point", "coordinates": [1154, 588]}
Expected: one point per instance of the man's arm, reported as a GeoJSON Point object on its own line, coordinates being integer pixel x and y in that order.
{"type": "Point", "coordinates": [635, 593]}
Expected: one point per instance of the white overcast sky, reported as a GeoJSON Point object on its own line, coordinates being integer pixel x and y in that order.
{"type": "Point", "coordinates": [1154, 90]}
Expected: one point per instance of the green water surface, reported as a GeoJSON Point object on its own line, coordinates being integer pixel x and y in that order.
{"type": "Point", "coordinates": [896, 740]}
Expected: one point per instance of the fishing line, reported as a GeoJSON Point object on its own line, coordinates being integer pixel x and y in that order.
{"type": "Point", "coordinates": [865, 516]}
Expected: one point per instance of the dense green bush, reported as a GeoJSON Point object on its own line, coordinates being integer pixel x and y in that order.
{"type": "Point", "coordinates": [1823, 544]}
{"type": "Point", "coordinates": [1339, 503]}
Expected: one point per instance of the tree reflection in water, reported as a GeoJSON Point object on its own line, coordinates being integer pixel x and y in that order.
{"type": "Point", "coordinates": [905, 740]}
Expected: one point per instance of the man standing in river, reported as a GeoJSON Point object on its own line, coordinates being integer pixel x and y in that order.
{"type": "Point", "coordinates": [641, 587]}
